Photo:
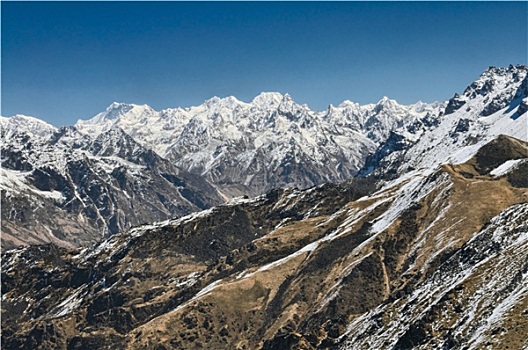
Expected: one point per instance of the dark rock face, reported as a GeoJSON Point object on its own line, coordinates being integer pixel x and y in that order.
{"type": "Point", "coordinates": [518, 177]}
{"type": "Point", "coordinates": [454, 104]}
{"type": "Point", "coordinates": [499, 151]}
{"type": "Point", "coordinates": [523, 107]}
{"type": "Point", "coordinates": [462, 126]}
{"type": "Point", "coordinates": [380, 159]}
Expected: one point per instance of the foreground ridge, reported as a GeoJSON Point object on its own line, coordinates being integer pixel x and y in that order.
{"type": "Point", "coordinates": [414, 264]}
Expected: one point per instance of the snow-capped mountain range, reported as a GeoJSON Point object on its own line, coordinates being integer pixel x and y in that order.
{"type": "Point", "coordinates": [131, 164]}
{"type": "Point", "coordinates": [250, 148]}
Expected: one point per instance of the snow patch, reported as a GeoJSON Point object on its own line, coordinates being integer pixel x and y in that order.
{"type": "Point", "coordinates": [506, 167]}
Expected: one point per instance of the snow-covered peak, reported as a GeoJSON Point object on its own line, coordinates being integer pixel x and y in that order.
{"type": "Point", "coordinates": [20, 123]}
{"type": "Point", "coordinates": [289, 106]}
{"type": "Point", "coordinates": [24, 120]}
{"type": "Point", "coordinates": [387, 104]}
{"type": "Point", "coordinates": [268, 99]}
{"type": "Point", "coordinates": [419, 106]}
{"type": "Point", "coordinates": [495, 89]}
{"type": "Point", "coordinates": [274, 141]}
{"type": "Point", "coordinates": [119, 107]}
{"type": "Point", "coordinates": [230, 102]}
{"type": "Point", "coordinates": [490, 106]}
{"type": "Point", "coordinates": [114, 111]}
{"type": "Point", "coordinates": [348, 104]}
{"type": "Point", "coordinates": [386, 100]}
{"type": "Point", "coordinates": [504, 71]}
{"type": "Point", "coordinates": [125, 116]}
{"type": "Point", "coordinates": [118, 110]}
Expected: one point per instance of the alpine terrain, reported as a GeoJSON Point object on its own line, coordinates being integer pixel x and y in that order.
{"type": "Point", "coordinates": [359, 227]}
{"type": "Point", "coordinates": [72, 189]}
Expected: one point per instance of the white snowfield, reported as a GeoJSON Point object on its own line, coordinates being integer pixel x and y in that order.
{"type": "Point", "coordinates": [506, 167]}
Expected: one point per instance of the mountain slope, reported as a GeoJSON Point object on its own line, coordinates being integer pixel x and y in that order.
{"type": "Point", "coordinates": [71, 189]}
{"type": "Point", "coordinates": [413, 264]}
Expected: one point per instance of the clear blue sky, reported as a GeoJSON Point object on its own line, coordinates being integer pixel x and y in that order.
{"type": "Point", "coordinates": [68, 60]}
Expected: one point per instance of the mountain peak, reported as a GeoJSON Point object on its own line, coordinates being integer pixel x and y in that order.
{"type": "Point", "coordinates": [23, 123]}
{"type": "Point", "coordinates": [504, 70]}
{"type": "Point", "coordinates": [113, 111]}
{"type": "Point", "coordinates": [495, 89]}
{"type": "Point", "coordinates": [229, 101]}
{"type": "Point", "coordinates": [27, 119]}
{"type": "Point", "coordinates": [348, 104]}
{"type": "Point", "coordinates": [386, 101]}
{"type": "Point", "coordinates": [117, 110]}
{"type": "Point", "coordinates": [512, 72]}
{"type": "Point", "coordinates": [268, 99]}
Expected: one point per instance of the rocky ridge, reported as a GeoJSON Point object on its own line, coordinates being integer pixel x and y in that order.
{"type": "Point", "coordinates": [492, 105]}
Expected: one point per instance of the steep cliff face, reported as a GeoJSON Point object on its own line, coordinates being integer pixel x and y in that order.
{"type": "Point", "coordinates": [434, 259]}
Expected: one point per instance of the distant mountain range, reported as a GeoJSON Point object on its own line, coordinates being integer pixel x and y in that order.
{"type": "Point", "coordinates": [251, 148]}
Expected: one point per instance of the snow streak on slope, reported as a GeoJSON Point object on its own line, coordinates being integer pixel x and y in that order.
{"type": "Point", "coordinates": [487, 278]}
